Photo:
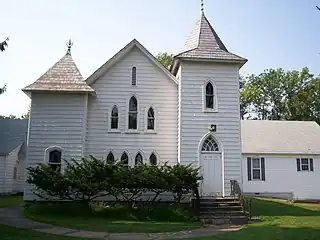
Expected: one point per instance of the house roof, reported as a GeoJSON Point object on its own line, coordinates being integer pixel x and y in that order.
{"type": "Point", "coordinates": [290, 137]}
{"type": "Point", "coordinates": [119, 55]}
{"type": "Point", "coordinates": [204, 43]}
{"type": "Point", "coordinates": [63, 76]}
{"type": "Point", "coordinates": [13, 133]}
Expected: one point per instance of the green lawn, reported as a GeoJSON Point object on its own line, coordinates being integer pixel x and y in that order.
{"type": "Point", "coordinates": [281, 220]}
{"type": "Point", "coordinates": [8, 201]}
{"type": "Point", "coordinates": [11, 233]}
{"type": "Point", "coordinates": [118, 218]}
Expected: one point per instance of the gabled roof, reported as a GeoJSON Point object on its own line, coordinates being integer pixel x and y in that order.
{"type": "Point", "coordinates": [119, 55]}
{"type": "Point", "coordinates": [13, 133]}
{"type": "Point", "coordinates": [63, 76]}
{"type": "Point", "coordinates": [204, 43]}
{"type": "Point", "coordinates": [283, 137]}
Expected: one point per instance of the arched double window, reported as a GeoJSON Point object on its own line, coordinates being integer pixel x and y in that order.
{"type": "Point", "coordinates": [134, 76]}
{"type": "Point", "coordinates": [138, 160]}
{"type": "Point", "coordinates": [151, 119]}
{"type": "Point", "coordinates": [133, 113]}
{"type": "Point", "coordinates": [114, 118]}
{"type": "Point", "coordinates": [153, 159]}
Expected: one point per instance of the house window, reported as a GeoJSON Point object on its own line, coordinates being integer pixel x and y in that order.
{"type": "Point", "coordinates": [15, 172]}
{"type": "Point", "coordinates": [55, 160]}
{"type": "Point", "coordinates": [125, 159]}
{"type": "Point", "coordinates": [134, 76]}
{"type": "Point", "coordinates": [256, 168]}
{"type": "Point", "coordinates": [153, 159]}
{"type": "Point", "coordinates": [209, 96]}
{"type": "Point", "coordinates": [150, 119]}
{"type": "Point", "coordinates": [210, 145]}
{"type": "Point", "coordinates": [133, 113]}
{"type": "Point", "coordinates": [305, 164]}
{"type": "Point", "coordinates": [138, 160]}
{"type": "Point", "coordinates": [110, 158]}
{"type": "Point", "coordinates": [114, 118]}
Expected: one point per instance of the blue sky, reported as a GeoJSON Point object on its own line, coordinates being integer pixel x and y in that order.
{"type": "Point", "coordinates": [269, 33]}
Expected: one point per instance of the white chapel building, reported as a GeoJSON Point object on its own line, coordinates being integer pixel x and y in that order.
{"type": "Point", "coordinates": [134, 109]}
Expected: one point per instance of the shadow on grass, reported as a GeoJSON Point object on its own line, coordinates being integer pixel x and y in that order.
{"type": "Point", "coordinates": [101, 217]}
{"type": "Point", "coordinates": [272, 207]}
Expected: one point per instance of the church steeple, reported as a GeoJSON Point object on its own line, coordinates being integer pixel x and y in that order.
{"type": "Point", "coordinates": [204, 43]}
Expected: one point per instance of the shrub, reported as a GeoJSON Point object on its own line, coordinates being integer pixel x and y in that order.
{"type": "Point", "coordinates": [91, 178]}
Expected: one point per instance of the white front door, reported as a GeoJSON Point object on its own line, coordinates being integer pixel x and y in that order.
{"type": "Point", "coordinates": [211, 169]}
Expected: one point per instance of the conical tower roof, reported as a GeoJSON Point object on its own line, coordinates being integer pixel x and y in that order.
{"type": "Point", "coordinates": [63, 76]}
{"type": "Point", "coordinates": [204, 43]}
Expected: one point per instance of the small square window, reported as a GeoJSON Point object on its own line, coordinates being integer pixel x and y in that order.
{"type": "Point", "coordinates": [305, 164]}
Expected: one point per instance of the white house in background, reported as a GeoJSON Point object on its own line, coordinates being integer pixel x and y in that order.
{"type": "Point", "coordinates": [134, 109]}
{"type": "Point", "coordinates": [13, 136]}
{"type": "Point", "coordinates": [281, 158]}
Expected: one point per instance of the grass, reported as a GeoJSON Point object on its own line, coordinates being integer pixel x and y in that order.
{"type": "Point", "coordinates": [12, 233]}
{"type": "Point", "coordinates": [280, 220]}
{"type": "Point", "coordinates": [9, 201]}
{"type": "Point", "coordinates": [161, 217]}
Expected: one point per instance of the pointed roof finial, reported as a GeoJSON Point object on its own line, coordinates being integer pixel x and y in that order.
{"type": "Point", "coordinates": [202, 6]}
{"type": "Point", "coordinates": [69, 45]}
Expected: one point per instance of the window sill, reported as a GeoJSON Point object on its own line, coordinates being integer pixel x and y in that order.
{"type": "Point", "coordinates": [114, 131]}
{"type": "Point", "coordinates": [132, 132]}
{"type": "Point", "coordinates": [210, 110]}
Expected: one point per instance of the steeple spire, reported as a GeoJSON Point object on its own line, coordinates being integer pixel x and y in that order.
{"type": "Point", "coordinates": [69, 45]}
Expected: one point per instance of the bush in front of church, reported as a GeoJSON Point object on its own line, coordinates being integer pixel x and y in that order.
{"type": "Point", "coordinates": [92, 178]}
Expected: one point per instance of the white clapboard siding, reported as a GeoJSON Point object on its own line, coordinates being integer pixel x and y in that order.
{"type": "Point", "coordinates": [57, 119]}
{"type": "Point", "coordinates": [282, 177]}
{"type": "Point", "coordinates": [10, 163]}
{"type": "Point", "coordinates": [194, 123]}
{"type": "Point", "coordinates": [2, 173]}
{"type": "Point", "coordinates": [154, 88]}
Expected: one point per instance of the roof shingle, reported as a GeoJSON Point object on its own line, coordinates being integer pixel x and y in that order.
{"type": "Point", "coordinates": [62, 76]}
{"type": "Point", "coordinates": [13, 133]}
{"type": "Point", "coordinates": [204, 43]}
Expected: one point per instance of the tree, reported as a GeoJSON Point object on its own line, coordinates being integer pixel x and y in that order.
{"type": "Point", "coordinates": [165, 59]}
{"type": "Point", "coordinates": [276, 94]}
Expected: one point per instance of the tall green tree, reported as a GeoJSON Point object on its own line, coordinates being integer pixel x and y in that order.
{"type": "Point", "coordinates": [165, 59]}
{"type": "Point", "coordinates": [277, 94]}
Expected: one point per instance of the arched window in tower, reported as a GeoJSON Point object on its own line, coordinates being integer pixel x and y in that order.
{"type": "Point", "coordinates": [114, 118]}
{"type": "Point", "coordinates": [153, 159]}
{"type": "Point", "coordinates": [210, 145]}
{"type": "Point", "coordinates": [150, 119]}
{"type": "Point", "coordinates": [134, 76]}
{"type": "Point", "coordinates": [125, 159]}
{"type": "Point", "coordinates": [209, 96]}
{"type": "Point", "coordinates": [133, 113]}
{"type": "Point", "coordinates": [110, 158]}
{"type": "Point", "coordinates": [138, 160]}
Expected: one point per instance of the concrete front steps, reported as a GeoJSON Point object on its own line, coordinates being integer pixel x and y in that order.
{"type": "Point", "coordinates": [221, 211]}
